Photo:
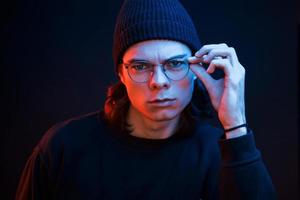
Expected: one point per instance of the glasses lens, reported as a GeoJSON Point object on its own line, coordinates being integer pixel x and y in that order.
{"type": "Point", "coordinates": [173, 69]}
{"type": "Point", "coordinates": [139, 72]}
{"type": "Point", "coordinates": [176, 69]}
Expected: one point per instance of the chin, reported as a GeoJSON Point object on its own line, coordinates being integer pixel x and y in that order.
{"type": "Point", "coordinates": [163, 115]}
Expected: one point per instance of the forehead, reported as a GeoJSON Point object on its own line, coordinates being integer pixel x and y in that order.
{"type": "Point", "coordinates": [155, 50]}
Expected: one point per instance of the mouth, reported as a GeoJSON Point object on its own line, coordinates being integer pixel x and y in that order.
{"type": "Point", "coordinates": [162, 102]}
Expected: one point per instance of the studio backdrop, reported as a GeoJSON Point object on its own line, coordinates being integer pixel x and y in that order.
{"type": "Point", "coordinates": [57, 64]}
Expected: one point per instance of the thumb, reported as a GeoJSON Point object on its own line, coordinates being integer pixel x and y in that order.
{"type": "Point", "coordinates": [202, 74]}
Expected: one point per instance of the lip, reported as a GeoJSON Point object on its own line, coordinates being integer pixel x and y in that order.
{"type": "Point", "coordinates": [162, 102]}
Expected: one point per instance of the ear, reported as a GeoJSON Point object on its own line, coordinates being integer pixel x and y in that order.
{"type": "Point", "coordinates": [120, 74]}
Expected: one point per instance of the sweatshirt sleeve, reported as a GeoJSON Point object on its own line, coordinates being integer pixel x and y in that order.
{"type": "Point", "coordinates": [40, 172]}
{"type": "Point", "coordinates": [33, 182]}
{"type": "Point", "coordinates": [243, 174]}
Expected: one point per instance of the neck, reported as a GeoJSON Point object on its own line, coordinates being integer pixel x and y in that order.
{"type": "Point", "coordinates": [144, 127]}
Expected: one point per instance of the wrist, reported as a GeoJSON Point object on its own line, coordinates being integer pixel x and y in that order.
{"type": "Point", "coordinates": [236, 133]}
{"type": "Point", "coordinates": [233, 120]}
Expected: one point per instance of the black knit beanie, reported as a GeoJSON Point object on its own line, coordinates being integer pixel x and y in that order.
{"type": "Point", "coordinates": [140, 20]}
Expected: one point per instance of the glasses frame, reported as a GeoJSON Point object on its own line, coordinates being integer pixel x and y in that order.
{"type": "Point", "coordinates": [163, 69]}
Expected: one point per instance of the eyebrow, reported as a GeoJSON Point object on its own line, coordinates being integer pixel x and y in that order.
{"type": "Point", "coordinates": [133, 60]}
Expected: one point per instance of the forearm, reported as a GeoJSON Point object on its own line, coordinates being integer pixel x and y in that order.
{"type": "Point", "coordinates": [243, 174]}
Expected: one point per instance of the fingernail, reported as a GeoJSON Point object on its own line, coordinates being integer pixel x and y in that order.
{"type": "Point", "coordinates": [197, 53]}
{"type": "Point", "coordinates": [190, 58]}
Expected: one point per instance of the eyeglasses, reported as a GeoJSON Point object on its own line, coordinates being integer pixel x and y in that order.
{"type": "Point", "coordinates": [174, 69]}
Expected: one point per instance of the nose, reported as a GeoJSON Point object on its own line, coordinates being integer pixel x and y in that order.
{"type": "Point", "coordinates": [158, 79]}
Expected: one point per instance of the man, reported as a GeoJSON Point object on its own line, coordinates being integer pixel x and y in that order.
{"type": "Point", "coordinates": [154, 139]}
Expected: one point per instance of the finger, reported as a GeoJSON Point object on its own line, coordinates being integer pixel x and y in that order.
{"type": "Point", "coordinates": [207, 48]}
{"type": "Point", "coordinates": [201, 73]}
{"type": "Point", "coordinates": [223, 64]}
{"type": "Point", "coordinates": [194, 60]}
{"type": "Point", "coordinates": [218, 53]}
{"type": "Point", "coordinates": [235, 60]}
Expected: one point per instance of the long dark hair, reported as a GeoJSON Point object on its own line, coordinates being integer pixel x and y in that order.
{"type": "Point", "coordinates": [117, 105]}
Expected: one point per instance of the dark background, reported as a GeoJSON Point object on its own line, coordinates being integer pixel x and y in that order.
{"type": "Point", "coordinates": [57, 64]}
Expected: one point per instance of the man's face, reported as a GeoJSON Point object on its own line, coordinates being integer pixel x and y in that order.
{"type": "Point", "coordinates": [159, 98]}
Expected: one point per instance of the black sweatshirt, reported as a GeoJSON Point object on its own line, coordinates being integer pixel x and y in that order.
{"type": "Point", "coordinates": [84, 158]}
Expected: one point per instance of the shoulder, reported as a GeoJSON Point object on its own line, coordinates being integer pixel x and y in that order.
{"type": "Point", "coordinates": [74, 133]}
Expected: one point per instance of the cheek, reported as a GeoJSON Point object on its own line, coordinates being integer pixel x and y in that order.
{"type": "Point", "coordinates": [188, 82]}
{"type": "Point", "coordinates": [136, 94]}
{"type": "Point", "coordinates": [185, 90]}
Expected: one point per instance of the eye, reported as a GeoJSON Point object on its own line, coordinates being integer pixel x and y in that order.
{"type": "Point", "coordinates": [175, 63]}
{"type": "Point", "coordinates": [139, 67]}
